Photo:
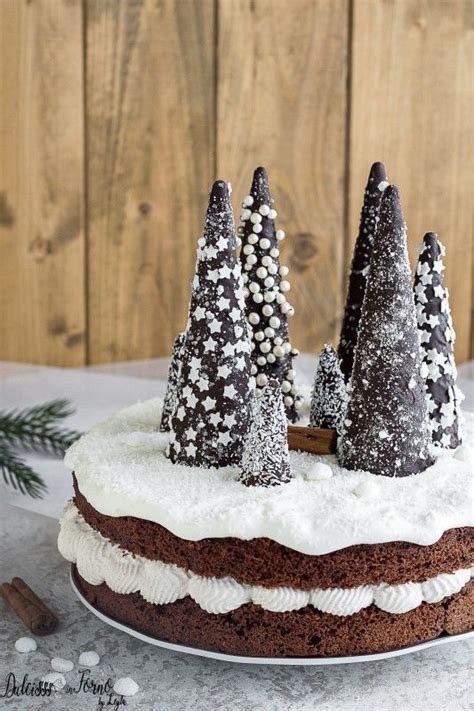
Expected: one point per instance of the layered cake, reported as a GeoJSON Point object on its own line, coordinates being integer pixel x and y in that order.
{"type": "Point", "coordinates": [195, 522]}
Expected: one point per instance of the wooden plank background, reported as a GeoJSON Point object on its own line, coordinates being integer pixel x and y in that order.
{"type": "Point", "coordinates": [118, 114]}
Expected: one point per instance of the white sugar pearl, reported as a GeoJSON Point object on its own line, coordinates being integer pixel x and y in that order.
{"type": "Point", "coordinates": [287, 347]}
{"type": "Point", "coordinates": [269, 296]}
{"type": "Point", "coordinates": [61, 665]}
{"type": "Point", "coordinates": [278, 351]}
{"type": "Point", "coordinates": [264, 210]}
{"type": "Point", "coordinates": [89, 659]}
{"type": "Point", "coordinates": [264, 243]}
{"type": "Point", "coordinates": [267, 310]}
{"type": "Point", "coordinates": [251, 260]}
{"type": "Point", "coordinates": [252, 239]}
{"type": "Point", "coordinates": [261, 360]}
{"type": "Point", "coordinates": [269, 332]}
{"type": "Point", "coordinates": [57, 680]}
{"type": "Point", "coordinates": [258, 298]}
{"type": "Point", "coordinates": [265, 347]}
{"type": "Point", "coordinates": [25, 645]}
{"type": "Point", "coordinates": [245, 214]}
{"type": "Point", "coordinates": [254, 318]}
{"type": "Point", "coordinates": [261, 379]}
{"type": "Point", "coordinates": [255, 217]}
{"type": "Point", "coordinates": [280, 234]}
{"type": "Point", "coordinates": [285, 307]}
{"type": "Point", "coordinates": [291, 311]}
{"type": "Point", "coordinates": [286, 386]}
{"type": "Point", "coordinates": [246, 291]}
{"type": "Point", "coordinates": [266, 261]}
{"type": "Point", "coordinates": [319, 472]}
{"type": "Point", "coordinates": [295, 389]}
{"type": "Point", "coordinates": [298, 404]}
{"type": "Point", "coordinates": [281, 298]}
{"type": "Point", "coordinates": [269, 282]}
{"type": "Point", "coordinates": [254, 287]}
{"type": "Point", "coordinates": [270, 358]}
{"type": "Point", "coordinates": [248, 249]}
{"type": "Point", "coordinates": [253, 369]}
{"type": "Point", "coordinates": [274, 252]}
{"type": "Point", "coordinates": [262, 272]}
{"type": "Point", "coordinates": [278, 341]}
{"type": "Point", "coordinates": [288, 400]}
{"type": "Point", "coordinates": [294, 351]}
{"type": "Point", "coordinates": [272, 214]}
{"type": "Point", "coordinates": [285, 285]}
{"type": "Point", "coordinates": [252, 346]}
{"type": "Point", "coordinates": [290, 374]}
{"type": "Point", "coordinates": [257, 228]}
{"type": "Point", "coordinates": [275, 322]}
{"type": "Point", "coordinates": [201, 242]}
{"type": "Point", "coordinates": [125, 686]}
{"type": "Point", "coordinates": [272, 269]}
{"type": "Point", "coordinates": [247, 201]}
{"type": "Point", "coordinates": [238, 242]}
{"type": "Point", "coordinates": [259, 336]}
{"type": "Point", "coordinates": [247, 267]}
{"type": "Point", "coordinates": [284, 271]}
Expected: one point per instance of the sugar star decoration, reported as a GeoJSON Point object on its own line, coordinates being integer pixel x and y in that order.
{"type": "Point", "coordinates": [213, 387]}
{"type": "Point", "coordinates": [437, 337]}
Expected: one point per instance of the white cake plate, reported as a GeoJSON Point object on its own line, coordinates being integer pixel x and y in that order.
{"type": "Point", "coordinates": [288, 661]}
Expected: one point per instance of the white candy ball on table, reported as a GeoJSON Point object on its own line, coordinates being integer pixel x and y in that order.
{"type": "Point", "coordinates": [264, 243]}
{"type": "Point", "coordinates": [258, 298]}
{"type": "Point", "coordinates": [25, 645]}
{"type": "Point", "coordinates": [126, 686]}
{"type": "Point", "coordinates": [267, 261]}
{"type": "Point", "coordinates": [254, 318]}
{"type": "Point", "coordinates": [285, 285]}
{"type": "Point", "coordinates": [278, 351]}
{"type": "Point", "coordinates": [286, 386]}
{"type": "Point", "coordinates": [264, 210]}
{"type": "Point", "coordinates": [272, 214]}
{"type": "Point", "coordinates": [269, 332]}
{"type": "Point", "coordinates": [275, 322]}
{"type": "Point", "coordinates": [261, 379]}
{"type": "Point", "coordinates": [248, 249]}
{"type": "Point", "coordinates": [247, 201]}
{"type": "Point", "coordinates": [255, 217]}
{"type": "Point", "coordinates": [284, 271]}
{"type": "Point", "coordinates": [267, 310]}
{"type": "Point", "coordinates": [257, 228]}
{"type": "Point", "coordinates": [280, 234]}
{"type": "Point", "coordinates": [269, 281]}
{"type": "Point", "coordinates": [265, 347]}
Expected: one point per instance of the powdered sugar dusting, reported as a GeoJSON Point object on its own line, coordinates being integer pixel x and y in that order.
{"type": "Point", "coordinates": [313, 517]}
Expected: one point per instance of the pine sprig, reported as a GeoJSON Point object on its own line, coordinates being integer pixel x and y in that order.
{"type": "Point", "coordinates": [19, 475]}
{"type": "Point", "coordinates": [35, 428]}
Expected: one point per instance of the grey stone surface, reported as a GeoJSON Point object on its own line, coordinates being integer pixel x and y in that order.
{"type": "Point", "coordinates": [439, 678]}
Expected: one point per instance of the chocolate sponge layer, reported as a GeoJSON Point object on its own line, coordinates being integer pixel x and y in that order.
{"type": "Point", "coordinates": [252, 631]}
{"type": "Point", "coordinates": [261, 561]}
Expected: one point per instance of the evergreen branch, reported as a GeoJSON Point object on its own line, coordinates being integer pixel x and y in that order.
{"type": "Point", "coordinates": [17, 474]}
{"type": "Point", "coordinates": [35, 428]}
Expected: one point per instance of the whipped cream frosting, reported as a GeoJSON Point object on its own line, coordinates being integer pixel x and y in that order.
{"type": "Point", "coordinates": [122, 471]}
{"type": "Point", "coordinates": [99, 560]}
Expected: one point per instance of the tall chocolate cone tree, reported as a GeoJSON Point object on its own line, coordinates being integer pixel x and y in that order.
{"type": "Point", "coordinates": [443, 398]}
{"type": "Point", "coordinates": [169, 400]}
{"type": "Point", "coordinates": [376, 184]}
{"type": "Point", "coordinates": [265, 461]}
{"type": "Point", "coordinates": [212, 412]}
{"type": "Point", "coordinates": [329, 396]}
{"type": "Point", "coordinates": [266, 288]}
{"type": "Point", "coordinates": [386, 431]}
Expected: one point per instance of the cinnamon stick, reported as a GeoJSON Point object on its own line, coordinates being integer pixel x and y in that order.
{"type": "Point", "coordinates": [312, 439]}
{"type": "Point", "coordinates": [29, 607]}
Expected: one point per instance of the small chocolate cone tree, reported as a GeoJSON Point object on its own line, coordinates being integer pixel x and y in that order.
{"type": "Point", "coordinates": [376, 184]}
{"type": "Point", "coordinates": [265, 460]}
{"type": "Point", "coordinates": [437, 336]}
{"type": "Point", "coordinates": [266, 288]}
{"type": "Point", "coordinates": [329, 396]}
{"type": "Point", "coordinates": [174, 370]}
{"type": "Point", "coordinates": [385, 431]}
{"type": "Point", "coordinates": [211, 417]}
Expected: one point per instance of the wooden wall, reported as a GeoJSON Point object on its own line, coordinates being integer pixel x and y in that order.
{"type": "Point", "coordinates": [118, 114]}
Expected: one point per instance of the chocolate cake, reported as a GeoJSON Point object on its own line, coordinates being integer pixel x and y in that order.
{"type": "Point", "coordinates": [194, 522]}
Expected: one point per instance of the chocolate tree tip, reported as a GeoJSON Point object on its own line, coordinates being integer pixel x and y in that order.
{"type": "Point", "coordinates": [220, 190]}
{"type": "Point", "coordinates": [377, 173]}
{"type": "Point", "coordinates": [260, 188]}
{"type": "Point", "coordinates": [260, 172]}
{"type": "Point", "coordinates": [431, 241]}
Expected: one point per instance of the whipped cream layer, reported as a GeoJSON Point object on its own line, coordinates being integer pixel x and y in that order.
{"type": "Point", "coordinates": [122, 470]}
{"type": "Point", "coordinates": [98, 560]}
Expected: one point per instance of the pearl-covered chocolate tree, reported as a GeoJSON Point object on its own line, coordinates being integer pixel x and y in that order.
{"type": "Point", "coordinates": [211, 417]}
{"type": "Point", "coordinates": [376, 184]}
{"type": "Point", "coordinates": [265, 460]}
{"type": "Point", "coordinates": [437, 336]}
{"type": "Point", "coordinates": [169, 401]}
{"type": "Point", "coordinates": [266, 289]}
{"type": "Point", "coordinates": [385, 431]}
{"type": "Point", "coordinates": [329, 396]}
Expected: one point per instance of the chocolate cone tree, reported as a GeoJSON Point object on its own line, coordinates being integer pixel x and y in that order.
{"type": "Point", "coordinates": [265, 460]}
{"type": "Point", "coordinates": [266, 288]}
{"type": "Point", "coordinates": [329, 396]}
{"type": "Point", "coordinates": [376, 184]}
{"type": "Point", "coordinates": [212, 410]}
{"type": "Point", "coordinates": [437, 336]}
{"type": "Point", "coordinates": [174, 370]}
{"type": "Point", "coordinates": [385, 431]}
